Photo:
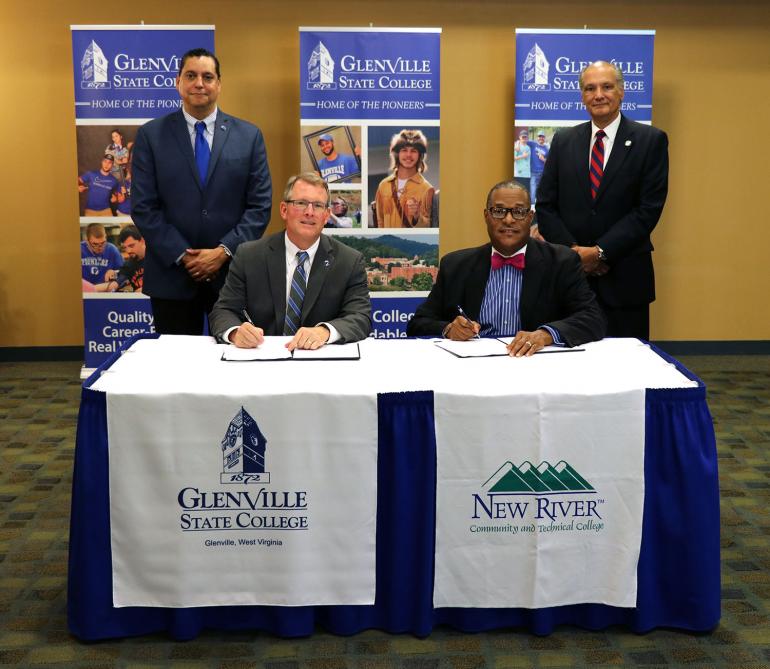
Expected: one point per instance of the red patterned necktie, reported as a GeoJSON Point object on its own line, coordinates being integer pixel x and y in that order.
{"type": "Point", "coordinates": [516, 261]}
{"type": "Point", "coordinates": [597, 163]}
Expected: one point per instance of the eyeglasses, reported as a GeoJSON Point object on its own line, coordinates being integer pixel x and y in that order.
{"type": "Point", "coordinates": [318, 207]}
{"type": "Point", "coordinates": [516, 213]}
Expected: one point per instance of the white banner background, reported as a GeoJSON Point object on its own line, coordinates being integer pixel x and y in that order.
{"type": "Point", "coordinates": [602, 437]}
{"type": "Point", "coordinates": [325, 445]}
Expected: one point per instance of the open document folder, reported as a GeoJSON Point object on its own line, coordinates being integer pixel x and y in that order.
{"type": "Point", "coordinates": [488, 347]}
{"type": "Point", "coordinates": [274, 348]}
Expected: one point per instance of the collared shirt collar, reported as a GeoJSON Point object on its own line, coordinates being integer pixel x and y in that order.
{"type": "Point", "coordinates": [523, 250]}
{"type": "Point", "coordinates": [611, 130]}
{"type": "Point", "coordinates": [292, 249]}
{"type": "Point", "coordinates": [210, 120]}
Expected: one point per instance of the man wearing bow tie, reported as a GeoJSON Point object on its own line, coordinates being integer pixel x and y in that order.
{"type": "Point", "coordinates": [602, 192]}
{"type": "Point", "coordinates": [514, 285]}
{"type": "Point", "coordinates": [201, 186]}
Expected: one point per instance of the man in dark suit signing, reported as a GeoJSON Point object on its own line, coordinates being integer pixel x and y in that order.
{"type": "Point", "coordinates": [602, 192]}
{"type": "Point", "coordinates": [299, 282]}
{"type": "Point", "coordinates": [201, 187]}
{"type": "Point", "coordinates": [513, 286]}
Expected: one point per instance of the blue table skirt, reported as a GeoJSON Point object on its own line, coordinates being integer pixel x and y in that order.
{"type": "Point", "coordinates": [678, 572]}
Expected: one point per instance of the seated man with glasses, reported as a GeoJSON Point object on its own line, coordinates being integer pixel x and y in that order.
{"type": "Point", "coordinates": [298, 282]}
{"type": "Point", "coordinates": [513, 286]}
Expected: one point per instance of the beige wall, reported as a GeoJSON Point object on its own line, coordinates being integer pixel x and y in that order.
{"type": "Point", "coordinates": [712, 91]}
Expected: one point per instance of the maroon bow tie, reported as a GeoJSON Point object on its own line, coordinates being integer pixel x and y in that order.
{"type": "Point", "coordinates": [516, 261]}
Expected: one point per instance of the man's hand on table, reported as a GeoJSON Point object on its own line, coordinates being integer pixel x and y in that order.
{"type": "Point", "coordinates": [528, 343]}
{"type": "Point", "coordinates": [247, 336]}
{"type": "Point", "coordinates": [309, 338]}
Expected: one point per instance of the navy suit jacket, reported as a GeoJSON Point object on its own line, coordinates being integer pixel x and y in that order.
{"type": "Point", "coordinates": [627, 206]}
{"type": "Point", "coordinates": [554, 292]}
{"type": "Point", "coordinates": [175, 212]}
{"type": "Point", "coordinates": [337, 292]}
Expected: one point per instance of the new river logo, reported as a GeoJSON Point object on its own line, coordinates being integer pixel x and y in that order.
{"type": "Point", "coordinates": [535, 73]}
{"type": "Point", "coordinates": [243, 451]}
{"type": "Point", "coordinates": [546, 498]}
{"type": "Point", "coordinates": [320, 69]}
{"type": "Point", "coordinates": [526, 479]}
{"type": "Point", "coordinates": [93, 67]}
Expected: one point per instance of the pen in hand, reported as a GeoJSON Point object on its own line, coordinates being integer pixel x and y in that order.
{"type": "Point", "coordinates": [247, 337]}
{"type": "Point", "coordinates": [470, 321]}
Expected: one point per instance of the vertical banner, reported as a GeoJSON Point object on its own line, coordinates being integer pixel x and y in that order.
{"type": "Point", "coordinates": [548, 66]}
{"type": "Point", "coordinates": [369, 125]}
{"type": "Point", "coordinates": [124, 76]}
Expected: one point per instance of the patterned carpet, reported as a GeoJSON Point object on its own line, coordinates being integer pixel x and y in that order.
{"type": "Point", "coordinates": [38, 414]}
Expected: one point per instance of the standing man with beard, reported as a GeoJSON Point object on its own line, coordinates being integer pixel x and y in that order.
{"type": "Point", "coordinates": [601, 194]}
{"type": "Point", "coordinates": [201, 187]}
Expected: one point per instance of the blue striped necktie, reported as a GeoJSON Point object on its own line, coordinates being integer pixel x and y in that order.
{"type": "Point", "coordinates": [296, 296]}
{"type": "Point", "coordinates": [202, 151]}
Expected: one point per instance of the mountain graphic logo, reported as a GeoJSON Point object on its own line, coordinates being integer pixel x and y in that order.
{"type": "Point", "coordinates": [545, 478]}
{"type": "Point", "coordinates": [243, 451]}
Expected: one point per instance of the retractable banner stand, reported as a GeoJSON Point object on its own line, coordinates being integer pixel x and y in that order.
{"type": "Point", "coordinates": [124, 76]}
{"type": "Point", "coordinates": [370, 117]}
{"type": "Point", "coordinates": [547, 97]}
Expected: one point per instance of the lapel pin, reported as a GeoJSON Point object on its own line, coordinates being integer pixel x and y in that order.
{"type": "Point", "coordinates": [628, 142]}
{"type": "Point", "coordinates": [327, 263]}
{"type": "Point", "coordinates": [223, 128]}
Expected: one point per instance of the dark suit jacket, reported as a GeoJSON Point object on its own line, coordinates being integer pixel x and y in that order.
{"type": "Point", "coordinates": [627, 207]}
{"type": "Point", "coordinates": [175, 212]}
{"type": "Point", "coordinates": [554, 292]}
{"type": "Point", "coordinates": [337, 292]}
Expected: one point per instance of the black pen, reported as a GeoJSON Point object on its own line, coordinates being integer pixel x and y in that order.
{"type": "Point", "coordinates": [247, 317]}
{"type": "Point", "coordinates": [465, 316]}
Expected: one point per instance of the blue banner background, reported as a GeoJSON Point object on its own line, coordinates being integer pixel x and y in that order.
{"type": "Point", "coordinates": [130, 73]}
{"type": "Point", "coordinates": [548, 65]}
{"type": "Point", "coordinates": [369, 75]}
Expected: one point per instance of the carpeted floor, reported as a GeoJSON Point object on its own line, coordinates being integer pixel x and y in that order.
{"type": "Point", "coordinates": [38, 415]}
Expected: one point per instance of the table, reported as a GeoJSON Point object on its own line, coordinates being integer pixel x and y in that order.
{"type": "Point", "coordinates": [678, 570]}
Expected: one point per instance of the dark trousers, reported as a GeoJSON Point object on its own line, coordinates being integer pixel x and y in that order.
{"type": "Point", "coordinates": [185, 317]}
{"type": "Point", "coordinates": [627, 321]}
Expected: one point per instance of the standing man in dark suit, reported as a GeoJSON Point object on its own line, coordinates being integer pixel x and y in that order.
{"type": "Point", "coordinates": [602, 193]}
{"type": "Point", "coordinates": [513, 286]}
{"type": "Point", "coordinates": [299, 282]}
{"type": "Point", "coordinates": [201, 187]}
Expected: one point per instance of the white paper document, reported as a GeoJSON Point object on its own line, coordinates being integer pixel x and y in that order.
{"type": "Point", "coordinates": [274, 348]}
{"type": "Point", "coordinates": [489, 347]}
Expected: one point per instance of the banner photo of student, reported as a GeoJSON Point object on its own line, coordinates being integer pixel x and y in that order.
{"type": "Point", "coordinates": [370, 127]}
{"type": "Point", "coordinates": [124, 76]}
{"type": "Point", "coordinates": [547, 90]}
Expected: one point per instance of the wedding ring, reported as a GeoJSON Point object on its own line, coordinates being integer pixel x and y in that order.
{"type": "Point", "coordinates": [528, 343]}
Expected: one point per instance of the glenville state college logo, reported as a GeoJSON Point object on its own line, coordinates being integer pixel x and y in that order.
{"type": "Point", "coordinates": [535, 71]}
{"type": "Point", "coordinates": [94, 67]}
{"type": "Point", "coordinates": [526, 498]}
{"type": "Point", "coordinates": [320, 69]}
{"type": "Point", "coordinates": [250, 506]}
